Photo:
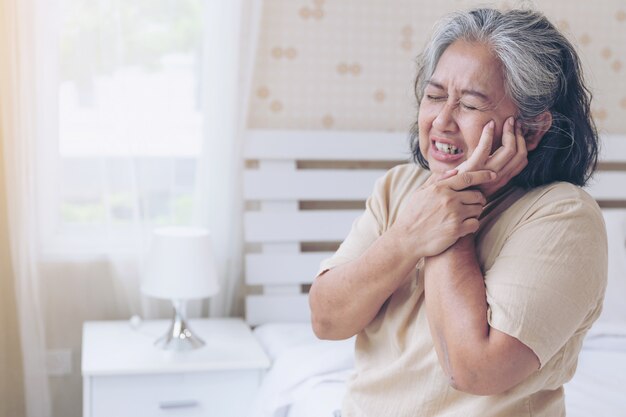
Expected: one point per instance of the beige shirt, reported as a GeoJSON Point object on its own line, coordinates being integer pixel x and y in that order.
{"type": "Point", "coordinates": [543, 254]}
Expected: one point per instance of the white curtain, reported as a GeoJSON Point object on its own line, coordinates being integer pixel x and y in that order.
{"type": "Point", "coordinates": [231, 33]}
{"type": "Point", "coordinates": [20, 117]}
{"type": "Point", "coordinates": [117, 117]}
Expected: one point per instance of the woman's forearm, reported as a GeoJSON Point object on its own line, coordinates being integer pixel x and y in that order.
{"type": "Point", "coordinates": [456, 303]}
{"type": "Point", "coordinates": [345, 299]}
{"type": "Point", "coordinates": [477, 359]}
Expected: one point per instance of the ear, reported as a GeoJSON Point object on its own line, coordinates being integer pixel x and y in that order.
{"type": "Point", "coordinates": [541, 124]}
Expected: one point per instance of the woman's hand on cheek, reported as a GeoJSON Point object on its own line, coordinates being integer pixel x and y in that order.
{"type": "Point", "coordinates": [507, 161]}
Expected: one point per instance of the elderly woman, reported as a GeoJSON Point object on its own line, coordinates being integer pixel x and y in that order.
{"type": "Point", "coordinates": [472, 278]}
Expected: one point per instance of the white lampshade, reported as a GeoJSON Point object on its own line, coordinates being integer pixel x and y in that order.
{"type": "Point", "coordinates": [180, 265]}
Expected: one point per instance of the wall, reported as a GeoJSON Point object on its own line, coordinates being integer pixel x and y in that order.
{"type": "Point", "coordinates": [349, 64]}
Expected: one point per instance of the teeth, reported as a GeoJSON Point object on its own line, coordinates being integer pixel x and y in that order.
{"type": "Point", "coordinates": [447, 148]}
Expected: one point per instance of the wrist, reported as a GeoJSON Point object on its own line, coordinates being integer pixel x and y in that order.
{"type": "Point", "coordinates": [463, 245]}
{"type": "Point", "coordinates": [403, 245]}
{"type": "Point", "coordinates": [454, 261]}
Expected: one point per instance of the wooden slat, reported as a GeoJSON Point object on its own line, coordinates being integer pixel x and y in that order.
{"type": "Point", "coordinates": [277, 269]}
{"type": "Point", "coordinates": [282, 290]}
{"type": "Point", "coordinates": [608, 185]}
{"type": "Point", "coordinates": [273, 308]}
{"type": "Point", "coordinates": [323, 185]}
{"type": "Point", "coordinates": [365, 146]}
{"type": "Point", "coordinates": [312, 226]}
{"type": "Point", "coordinates": [324, 145]}
{"type": "Point", "coordinates": [330, 185]}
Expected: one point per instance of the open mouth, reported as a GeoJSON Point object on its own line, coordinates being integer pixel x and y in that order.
{"type": "Point", "coordinates": [447, 148]}
{"type": "Point", "coordinates": [446, 152]}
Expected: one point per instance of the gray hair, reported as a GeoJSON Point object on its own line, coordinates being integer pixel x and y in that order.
{"type": "Point", "coordinates": [542, 72]}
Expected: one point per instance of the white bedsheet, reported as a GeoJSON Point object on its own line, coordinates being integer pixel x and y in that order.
{"type": "Point", "coordinates": [308, 376]}
{"type": "Point", "coordinates": [299, 369]}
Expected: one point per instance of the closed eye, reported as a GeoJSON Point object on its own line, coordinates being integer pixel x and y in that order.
{"type": "Point", "coordinates": [468, 107]}
{"type": "Point", "coordinates": [432, 97]}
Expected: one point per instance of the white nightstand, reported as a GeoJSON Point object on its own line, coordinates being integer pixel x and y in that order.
{"type": "Point", "coordinates": [124, 375]}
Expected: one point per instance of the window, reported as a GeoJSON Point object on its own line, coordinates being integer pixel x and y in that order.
{"type": "Point", "coordinates": [129, 120]}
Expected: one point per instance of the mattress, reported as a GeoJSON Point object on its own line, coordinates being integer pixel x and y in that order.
{"type": "Point", "coordinates": [308, 376]}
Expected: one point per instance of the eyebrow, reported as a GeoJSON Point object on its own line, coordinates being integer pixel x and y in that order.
{"type": "Point", "coordinates": [463, 92]}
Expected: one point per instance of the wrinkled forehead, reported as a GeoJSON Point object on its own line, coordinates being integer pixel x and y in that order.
{"type": "Point", "coordinates": [469, 62]}
{"type": "Point", "coordinates": [469, 66]}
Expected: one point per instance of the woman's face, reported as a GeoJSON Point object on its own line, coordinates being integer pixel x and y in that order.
{"type": "Point", "coordinates": [465, 92]}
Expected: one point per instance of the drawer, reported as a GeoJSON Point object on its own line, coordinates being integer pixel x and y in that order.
{"type": "Point", "coordinates": [218, 394]}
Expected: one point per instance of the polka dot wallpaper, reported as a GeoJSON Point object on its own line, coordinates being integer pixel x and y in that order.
{"type": "Point", "coordinates": [350, 64]}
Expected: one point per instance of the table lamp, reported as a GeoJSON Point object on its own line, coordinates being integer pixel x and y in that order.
{"type": "Point", "coordinates": [180, 266]}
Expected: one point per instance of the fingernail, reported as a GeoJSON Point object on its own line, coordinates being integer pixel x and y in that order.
{"type": "Point", "coordinates": [511, 120]}
{"type": "Point", "coordinates": [491, 124]}
{"type": "Point", "coordinates": [493, 175]}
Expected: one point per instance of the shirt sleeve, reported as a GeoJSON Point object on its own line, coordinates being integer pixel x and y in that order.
{"type": "Point", "coordinates": [365, 229]}
{"type": "Point", "coordinates": [550, 275]}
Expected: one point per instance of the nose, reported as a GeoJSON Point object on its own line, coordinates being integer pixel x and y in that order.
{"type": "Point", "coordinates": [445, 120]}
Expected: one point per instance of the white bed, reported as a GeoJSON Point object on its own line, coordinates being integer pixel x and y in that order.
{"type": "Point", "coordinates": [308, 375]}
{"type": "Point", "coordinates": [301, 206]}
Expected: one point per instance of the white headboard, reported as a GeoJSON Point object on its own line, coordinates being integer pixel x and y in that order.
{"type": "Point", "coordinates": [303, 190]}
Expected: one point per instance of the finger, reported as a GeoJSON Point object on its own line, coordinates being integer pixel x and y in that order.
{"type": "Point", "coordinates": [521, 140]}
{"type": "Point", "coordinates": [449, 174]}
{"type": "Point", "coordinates": [508, 134]}
{"type": "Point", "coordinates": [468, 179]}
{"type": "Point", "coordinates": [434, 177]}
{"type": "Point", "coordinates": [521, 156]}
{"type": "Point", "coordinates": [505, 153]}
{"type": "Point", "coordinates": [468, 226]}
{"type": "Point", "coordinates": [520, 160]}
{"type": "Point", "coordinates": [483, 149]}
{"type": "Point", "coordinates": [473, 197]}
{"type": "Point", "coordinates": [472, 210]}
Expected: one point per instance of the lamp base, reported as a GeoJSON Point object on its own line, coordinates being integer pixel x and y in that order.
{"type": "Point", "coordinates": [179, 336]}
